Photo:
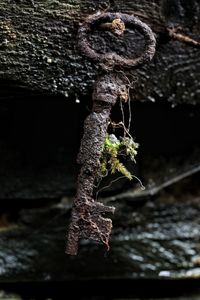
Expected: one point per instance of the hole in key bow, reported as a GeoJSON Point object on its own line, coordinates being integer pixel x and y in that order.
{"type": "Point", "coordinates": [110, 60]}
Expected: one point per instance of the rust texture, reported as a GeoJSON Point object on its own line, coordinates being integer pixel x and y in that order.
{"type": "Point", "coordinates": [117, 26]}
{"type": "Point", "coordinates": [178, 36]}
{"type": "Point", "coordinates": [87, 221]}
{"type": "Point", "coordinates": [110, 60]}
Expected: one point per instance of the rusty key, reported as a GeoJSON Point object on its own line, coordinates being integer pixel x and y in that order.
{"type": "Point", "coordinates": [87, 221]}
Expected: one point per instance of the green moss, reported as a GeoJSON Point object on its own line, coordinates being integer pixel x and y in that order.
{"type": "Point", "coordinates": [112, 150]}
{"type": "Point", "coordinates": [116, 165]}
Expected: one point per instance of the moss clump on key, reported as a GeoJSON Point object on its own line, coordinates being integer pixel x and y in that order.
{"type": "Point", "coordinates": [112, 150]}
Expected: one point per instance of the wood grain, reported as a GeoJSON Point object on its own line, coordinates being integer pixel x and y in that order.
{"type": "Point", "coordinates": [38, 47]}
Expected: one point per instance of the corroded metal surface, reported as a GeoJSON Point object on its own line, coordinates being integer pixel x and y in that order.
{"type": "Point", "coordinates": [110, 60]}
{"type": "Point", "coordinates": [87, 220]}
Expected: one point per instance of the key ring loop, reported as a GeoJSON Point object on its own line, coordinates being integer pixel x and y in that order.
{"type": "Point", "coordinates": [111, 60]}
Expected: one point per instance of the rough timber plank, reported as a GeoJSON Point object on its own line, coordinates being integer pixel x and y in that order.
{"type": "Point", "coordinates": [38, 46]}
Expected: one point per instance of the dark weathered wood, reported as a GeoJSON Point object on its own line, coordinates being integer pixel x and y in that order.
{"type": "Point", "coordinates": [39, 140]}
{"type": "Point", "coordinates": [38, 46]}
